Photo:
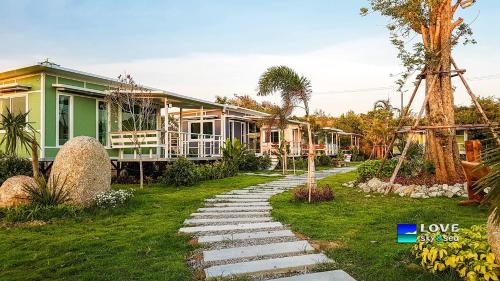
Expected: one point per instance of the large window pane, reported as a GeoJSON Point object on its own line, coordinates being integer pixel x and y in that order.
{"type": "Point", "coordinates": [102, 126]}
{"type": "Point", "coordinates": [18, 105]}
{"type": "Point", "coordinates": [64, 119]}
{"type": "Point", "coordinates": [275, 137]}
{"type": "Point", "coordinates": [208, 129]}
{"type": "Point", "coordinates": [4, 105]}
{"type": "Point", "coordinates": [195, 130]}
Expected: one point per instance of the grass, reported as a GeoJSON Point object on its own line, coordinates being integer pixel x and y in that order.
{"type": "Point", "coordinates": [136, 242]}
{"type": "Point", "coordinates": [359, 232]}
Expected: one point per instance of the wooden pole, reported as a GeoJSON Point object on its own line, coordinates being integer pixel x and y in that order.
{"type": "Point", "coordinates": [476, 102]}
{"type": "Point", "coordinates": [408, 142]}
{"type": "Point", "coordinates": [404, 113]}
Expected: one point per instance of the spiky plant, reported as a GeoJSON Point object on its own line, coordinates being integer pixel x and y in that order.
{"type": "Point", "coordinates": [19, 133]}
{"type": "Point", "coordinates": [47, 193]}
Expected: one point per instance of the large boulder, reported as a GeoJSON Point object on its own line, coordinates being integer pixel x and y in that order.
{"type": "Point", "coordinates": [84, 165]}
{"type": "Point", "coordinates": [12, 191]}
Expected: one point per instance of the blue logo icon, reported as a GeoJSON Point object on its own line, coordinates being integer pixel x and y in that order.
{"type": "Point", "coordinates": [407, 233]}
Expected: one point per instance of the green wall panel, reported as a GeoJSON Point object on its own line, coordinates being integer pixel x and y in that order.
{"type": "Point", "coordinates": [96, 87]}
{"type": "Point", "coordinates": [33, 81]}
{"type": "Point", "coordinates": [71, 82]}
{"type": "Point", "coordinates": [34, 114]}
{"type": "Point", "coordinates": [84, 123]}
{"type": "Point", "coordinates": [50, 112]}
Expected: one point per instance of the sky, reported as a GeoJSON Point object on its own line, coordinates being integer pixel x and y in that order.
{"type": "Point", "coordinates": [220, 47]}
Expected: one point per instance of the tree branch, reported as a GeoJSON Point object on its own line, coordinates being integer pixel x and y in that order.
{"type": "Point", "coordinates": [458, 22]}
{"type": "Point", "coordinates": [455, 7]}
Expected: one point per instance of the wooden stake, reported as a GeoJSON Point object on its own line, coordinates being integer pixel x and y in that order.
{"type": "Point", "coordinates": [476, 102]}
{"type": "Point", "coordinates": [404, 113]}
{"type": "Point", "coordinates": [408, 142]}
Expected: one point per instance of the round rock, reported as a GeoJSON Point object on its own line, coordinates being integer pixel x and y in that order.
{"type": "Point", "coordinates": [12, 191]}
{"type": "Point", "coordinates": [84, 165]}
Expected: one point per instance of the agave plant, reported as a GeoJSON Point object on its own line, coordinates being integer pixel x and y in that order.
{"type": "Point", "coordinates": [47, 193]}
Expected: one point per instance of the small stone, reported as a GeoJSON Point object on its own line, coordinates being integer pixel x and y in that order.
{"type": "Point", "coordinates": [12, 191]}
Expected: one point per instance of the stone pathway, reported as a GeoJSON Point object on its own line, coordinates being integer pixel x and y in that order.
{"type": "Point", "coordinates": [240, 238]}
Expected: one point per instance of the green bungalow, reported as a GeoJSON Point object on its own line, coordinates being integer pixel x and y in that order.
{"type": "Point", "coordinates": [65, 103]}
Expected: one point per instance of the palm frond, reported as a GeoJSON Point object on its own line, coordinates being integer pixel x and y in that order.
{"type": "Point", "coordinates": [47, 193]}
{"type": "Point", "coordinates": [18, 131]}
{"type": "Point", "coordinates": [492, 180]}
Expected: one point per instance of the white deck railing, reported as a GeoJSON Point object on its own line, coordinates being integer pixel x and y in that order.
{"type": "Point", "coordinates": [177, 144]}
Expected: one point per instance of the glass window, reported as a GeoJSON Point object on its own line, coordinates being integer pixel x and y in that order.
{"type": "Point", "coordinates": [102, 126]}
{"type": "Point", "coordinates": [275, 137]}
{"type": "Point", "coordinates": [18, 105]}
{"type": "Point", "coordinates": [64, 119]}
{"type": "Point", "coordinates": [208, 129]}
{"type": "Point", "coordinates": [133, 115]}
{"type": "Point", "coordinates": [4, 104]}
{"type": "Point", "coordinates": [194, 130]}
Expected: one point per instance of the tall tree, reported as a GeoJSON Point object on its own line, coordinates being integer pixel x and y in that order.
{"type": "Point", "coordinates": [433, 21]}
{"type": "Point", "coordinates": [278, 117]}
{"type": "Point", "coordinates": [294, 89]}
{"type": "Point", "coordinates": [18, 131]}
{"type": "Point", "coordinates": [136, 110]}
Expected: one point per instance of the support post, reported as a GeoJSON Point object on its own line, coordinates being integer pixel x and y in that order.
{"type": "Point", "coordinates": [180, 142]}
{"type": "Point", "coordinates": [401, 121]}
{"type": "Point", "coordinates": [167, 137]}
{"type": "Point", "coordinates": [201, 143]}
{"type": "Point", "coordinates": [476, 102]}
{"type": "Point", "coordinates": [407, 145]}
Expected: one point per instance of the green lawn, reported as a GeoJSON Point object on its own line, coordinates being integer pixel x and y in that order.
{"type": "Point", "coordinates": [359, 232]}
{"type": "Point", "coordinates": [136, 242]}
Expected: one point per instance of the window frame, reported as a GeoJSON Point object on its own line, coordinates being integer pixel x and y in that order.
{"type": "Point", "coordinates": [212, 136]}
{"type": "Point", "coordinates": [108, 122]}
{"type": "Point", "coordinates": [9, 97]}
{"type": "Point", "coordinates": [71, 117]}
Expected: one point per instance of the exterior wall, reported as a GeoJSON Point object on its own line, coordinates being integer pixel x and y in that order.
{"type": "Point", "coordinates": [266, 147]}
{"type": "Point", "coordinates": [33, 104]}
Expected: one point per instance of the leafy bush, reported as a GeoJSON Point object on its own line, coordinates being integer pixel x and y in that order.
{"type": "Point", "coordinates": [300, 163]}
{"type": "Point", "coordinates": [324, 160]}
{"type": "Point", "coordinates": [319, 194]}
{"type": "Point", "coordinates": [11, 165]}
{"type": "Point", "coordinates": [252, 162]}
{"type": "Point", "coordinates": [113, 198]}
{"type": "Point", "coordinates": [233, 151]}
{"type": "Point", "coordinates": [216, 170]}
{"type": "Point", "coordinates": [357, 156]}
{"type": "Point", "coordinates": [31, 212]}
{"type": "Point", "coordinates": [125, 179]}
{"type": "Point", "coordinates": [368, 169]}
{"type": "Point", "coordinates": [470, 257]}
{"type": "Point", "coordinates": [181, 172]}
{"type": "Point", "coordinates": [47, 193]}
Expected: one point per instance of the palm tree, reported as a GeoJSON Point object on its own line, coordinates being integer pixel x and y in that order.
{"type": "Point", "coordinates": [294, 89]}
{"type": "Point", "coordinates": [279, 117]}
{"type": "Point", "coordinates": [20, 132]}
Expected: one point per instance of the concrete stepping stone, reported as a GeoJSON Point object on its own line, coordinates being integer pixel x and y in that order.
{"type": "Point", "coordinates": [251, 196]}
{"type": "Point", "coordinates": [227, 220]}
{"type": "Point", "coordinates": [234, 209]}
{"type": "Point", "coordinates": [245, 236]}
{"type": "Point", "coordinates": [334, 275]}
{"type": "Point", "coordinates": [230, 214]}
{"type": "Point", "coordinates": [230, 227]}
{"type": "Point", "coordinates": [239, 204]}
{"type": "Point", "coordinates": [266, 265]}
{"type": "Point", "coordinates": [235, 200]}
{"type": "Point", "coordinates": [258, 251]}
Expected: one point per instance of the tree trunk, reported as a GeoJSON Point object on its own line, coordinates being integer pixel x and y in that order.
{"type": "Point", "coordinates": [34, 160]}
{"type": "Point", "coordinates": [311, 179]}
{"type": "Point", "coordinates": [141, 171]}
{"type": "Point", "coordinates": [441, 144]}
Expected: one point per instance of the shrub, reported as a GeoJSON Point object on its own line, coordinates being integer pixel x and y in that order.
{"type": "Point", "coordinates": [368, 169]}
{"type": "Point", "coordinates": [113, 198]}
{"type": "Point", "coordinates": [319, 194]}
{"type": "Point", "coordinates": [31, 212]}
{"type": "Point", "coordinates": [14, 166]}
{"type": "Point", "coordinates": [125, 179]}
{"type": "Point", "coordinates": [47, 193]}
{"type": "Point", "coordinates": [264, 162]}
{"type": "Point", "coordinates": [181, 172]}
{"type": "Point", "coordinates": [324, 160]}
{"type": "Point", "coordinates": [250, 162]}
{"type": "Point", "coordinates": [470, 257]}
{"type": "Point", "coordinates": [300, 163]}
{"type": "Point", "coordinates": [233, 151]}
